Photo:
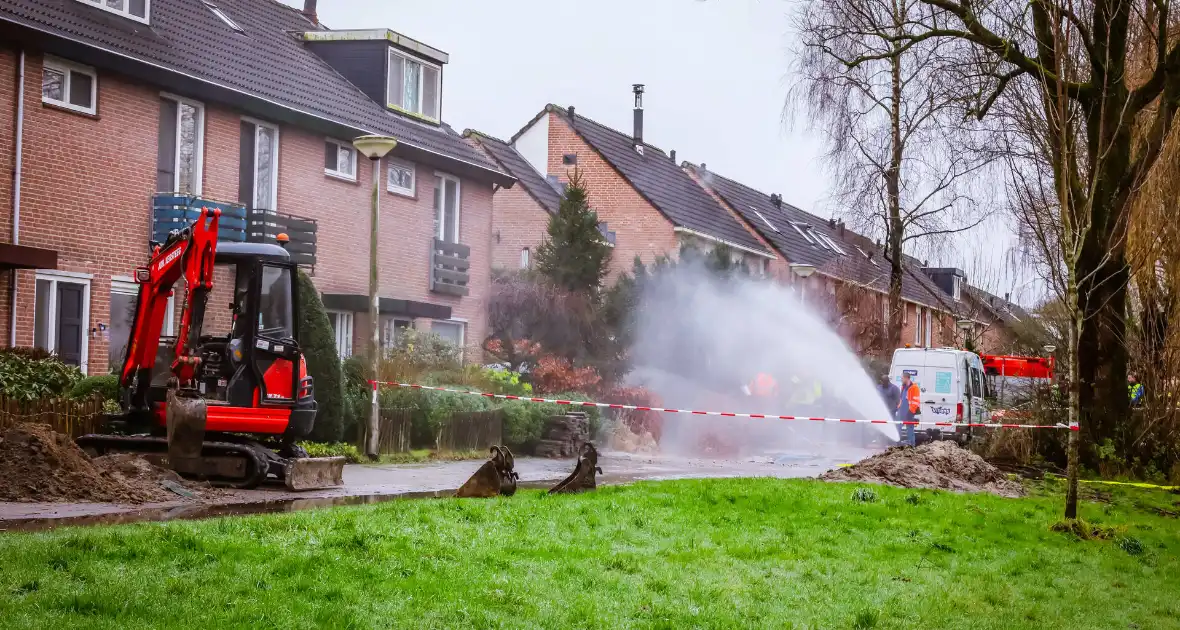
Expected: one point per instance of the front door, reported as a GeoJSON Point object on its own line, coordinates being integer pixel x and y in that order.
{"type": "Point", "coordinates": [70, 325]}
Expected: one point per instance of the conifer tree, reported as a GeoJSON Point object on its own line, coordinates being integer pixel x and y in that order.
{"type": "Point", "coordinates": [576, 255]}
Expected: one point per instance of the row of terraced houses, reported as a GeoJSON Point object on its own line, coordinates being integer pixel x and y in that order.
{"type": "Point", "coordinates": [121, 117]}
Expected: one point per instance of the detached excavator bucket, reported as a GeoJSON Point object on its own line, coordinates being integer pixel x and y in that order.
{"type": "Point", "coordinates": [583, 478]}
{"type": "Point", "coordinates": [311, 473]}
{"type": "Point", "coordinates": [495, 477]}
{"type": "Point", "coordinates": [185, 419]}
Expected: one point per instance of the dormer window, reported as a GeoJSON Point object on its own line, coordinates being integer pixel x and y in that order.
{"type": "Point", "coordinates": [133, 9]}
{"type": "Point", "coordinates": [414, 86]}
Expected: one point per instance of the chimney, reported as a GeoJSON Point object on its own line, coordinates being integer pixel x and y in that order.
{"type": "Point", "coordinates": [832, 223]}
{"type": "Point", "coordinates": [777, 200]}
{"type": "Point", "coordinates": [672, 155]}
{"type": "Point", "coordinates": [637, 138]}
{"type": "Point", "coordinates": [1007, 298]}
{"type": "Point", "coordinates": [840, 229]}
{"type": "Point", "coordinates": [309, 11]}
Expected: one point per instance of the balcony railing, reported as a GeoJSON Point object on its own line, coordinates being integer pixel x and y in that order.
{"type": "Point", "coordinates": [265, 225]}
{"type": "Point", "coordinates": [174, 211]}
{"type": "Point", "coordinates": [449, 263]}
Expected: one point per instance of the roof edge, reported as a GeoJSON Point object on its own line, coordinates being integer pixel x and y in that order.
{"type": "Point", "coordinates": [683, 230]}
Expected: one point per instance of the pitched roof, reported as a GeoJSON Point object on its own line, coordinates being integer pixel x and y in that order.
{"type": "Point", "coordinates": [1004, 311]}
{"type": "Point", "coordinates": [265, 61]}
{"type": "Point", "coordinates": [784, 226]}
{"type": "Point", "coordinates": [514, 163]}
{"type": "Point", "coordinates": [662, 183]}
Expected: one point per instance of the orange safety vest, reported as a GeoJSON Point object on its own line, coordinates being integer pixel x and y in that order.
{"type": "Point", "coordinates": [912, 395]}
{"type": "Point", "coordinates": [764, 385]}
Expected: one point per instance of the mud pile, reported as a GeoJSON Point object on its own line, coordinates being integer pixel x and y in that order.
{"type": "Point", "coordinates": [40, 464]}
{"type": "Point", "coordinates": [938, 465]}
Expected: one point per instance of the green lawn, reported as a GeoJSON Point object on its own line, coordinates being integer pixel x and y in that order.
{"type": "Point", "coordinates": [716, 553]}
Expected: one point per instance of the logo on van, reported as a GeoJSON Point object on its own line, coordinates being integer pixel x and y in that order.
{"type": "Point", "coordinates": [940, 411]}
{"type": "Point", "coordinates": [910, 372]}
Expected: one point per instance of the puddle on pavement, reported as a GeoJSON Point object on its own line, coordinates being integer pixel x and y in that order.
{"type": "Point", "coordinates": [204, 511]}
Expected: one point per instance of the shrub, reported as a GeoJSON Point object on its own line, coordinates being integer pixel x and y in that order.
{"type": "Point", "coordinates": [318, 343]}
{"type": "Point", "coordinates": [913, 498]}
{"type": "Point", "coordinates": [29, 374]}
{"type": "Point", "coordinates": [554, 374]}
{"type": "Point", "coordinates": [1131, 545]}
{"type": "Point", "coordinates": [864, 495]}
{"type": "Point", "coordinates": [104, 386]}
{"type": "Point", "coordinates": [338, 449]}
{"type": "Point", "coordinates": [415, 353]}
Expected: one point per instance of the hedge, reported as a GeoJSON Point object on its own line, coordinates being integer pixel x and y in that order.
{"type": "Point", "coordinates": [318, 343]}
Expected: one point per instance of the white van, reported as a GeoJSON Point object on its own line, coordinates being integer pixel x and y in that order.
{"type": "Point", "coordinates": [951, 381]}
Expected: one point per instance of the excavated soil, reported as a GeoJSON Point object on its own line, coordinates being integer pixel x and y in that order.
{"type": "Point", "coordinates": [938, 465]}
{"type": "Point", "coordinates": [38, 464]}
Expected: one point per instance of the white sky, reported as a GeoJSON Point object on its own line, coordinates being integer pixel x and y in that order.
{"type": "Point", "coordinates": [716, 73]}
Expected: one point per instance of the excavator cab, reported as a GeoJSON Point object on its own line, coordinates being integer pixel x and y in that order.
{"type": "Point", "coordinates": [238, 396]}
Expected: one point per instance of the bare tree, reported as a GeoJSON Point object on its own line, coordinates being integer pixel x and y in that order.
{"type": "Point", "coordinates": [890, 115]}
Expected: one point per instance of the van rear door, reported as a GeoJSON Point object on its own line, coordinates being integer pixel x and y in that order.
{"type": "Point", "coordinates": [940, 389]}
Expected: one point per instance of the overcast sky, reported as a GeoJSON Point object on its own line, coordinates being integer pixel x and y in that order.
{"type": "Point", "coordinates": [717, 75]}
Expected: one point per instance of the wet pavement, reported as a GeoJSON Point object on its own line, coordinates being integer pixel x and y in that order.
{"type": "Point", "coordinates": [375, 483]}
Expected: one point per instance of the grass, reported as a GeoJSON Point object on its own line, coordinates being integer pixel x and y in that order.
{"type": "Point", "coordinates": [354, 456]}
{"type": "Point", "coordinates": [702, 553]}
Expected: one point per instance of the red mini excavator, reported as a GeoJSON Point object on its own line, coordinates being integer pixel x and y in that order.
{"type": "Point", "coordinates": [235, 402]}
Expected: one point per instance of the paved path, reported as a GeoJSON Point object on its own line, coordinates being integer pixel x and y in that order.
{"type": "Point", "coordinates": [363, 483]}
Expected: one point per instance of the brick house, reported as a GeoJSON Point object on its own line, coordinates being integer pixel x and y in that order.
{"type": "Point", "coordinates": [648, 206]}
{"type": "Point", "coordinates": [520, 214]}
{"type": "Point", "coordinates": [248, 102]}
{"type": "Point", "coordinates": [850, 282]}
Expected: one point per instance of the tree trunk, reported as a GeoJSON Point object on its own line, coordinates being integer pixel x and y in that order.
{"type": "Point", "coordinates": [1075, 326]}
{"type": "Point", "coordinates": [896, 228]}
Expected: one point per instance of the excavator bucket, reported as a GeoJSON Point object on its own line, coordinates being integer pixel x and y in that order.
{"type": "Point", "coordinates": [185, 419]}
{"type": "Point", "coordinates": [310, 473]}
{"type": "Point", "coordinates": [495, 477]}
{"type": "Point", "coordinates": [583, 478]}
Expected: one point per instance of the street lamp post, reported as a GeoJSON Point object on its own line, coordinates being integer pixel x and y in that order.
{"type": "Point", "coordinates": [374, 148]}
{"type": "Point", "coordinates": [803, 271]}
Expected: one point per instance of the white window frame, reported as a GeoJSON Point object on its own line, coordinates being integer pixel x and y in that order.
{"type": "Point", "coordinates": [956, 288]}
{"type": "Point", "coordinates": [461, 323]}
{"type": "Point", "coordinates": [69, 277]}
{"type": "Point", "coordinates": [804, 230]}
{"type": "Point", "coordinates": [831, 243]}
{"type": "Point", "coordinates": [440, 181]}
{"type": "Point", "coordinates": [929, 326]}
{"type": "Point", "coordinates": [125, 11]}
{"type": "Point", "coordinates": [337, 173]}
{"type": "Point", "coordinates": [918, 326]}
{"type": "Point", "coordinates": [398, 190]}
{"type": "Point", "coordinates": [274, 183]}
{"type": "Point", "coordinates": [343, 349]}
{"type": "Point", "coordinates": [125, 285]}
{"type": "Point", "coordinates": [764, 219]}
{"type": "Point", "coordinates": [224, 18]}
{"type": "Point", "coordinates": [421, 84]}
{"type": "Point", "coordinates": [525, 261]}
{"type": "Point", "coordinates": [67, 68]}
{"type": "Point", "coordinates": [199, 175]}
{"type": "Point", "coordinates": [388, 334]}
{"type": "Point", "coordinates": [763, 267]}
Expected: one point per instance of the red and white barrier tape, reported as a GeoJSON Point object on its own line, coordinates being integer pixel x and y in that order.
{"type": "Point", "coordinates": [727, 414]}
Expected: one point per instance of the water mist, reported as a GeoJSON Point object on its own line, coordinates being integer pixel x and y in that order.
{"type": "Point", "coordinates": [700, 338]}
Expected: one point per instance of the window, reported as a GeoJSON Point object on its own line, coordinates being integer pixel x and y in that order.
{"type": "Point", "coordinates": [124, 295]}
{"type": "Point", "coordinates": [342, 327]}
{"type": "Point", "coordinates": [607, 234]}
{"type": "Point", "coordinates": [414, 86]}
{"type": "Point", "coordinates": [804, 230]}
{"type": "Point", "coordinates": [224, 18]}
{"type": "Point", "coordinates": [451, 332]}
{"type": "Point", "coordinates": [340, 160]}
{"type": "Point", "coordinates": [61, 316]}
{"type": "Point", "coordinates": [929, 321]}
{"type": "Point", "coordinates": [764, 267]}
{"type": "Point", "coordinates": [134, 9]}
{"type": "Point", "coordinates": [524, 258]}
{"type": "Point", "coordinates": [956, 288]}
{"type": "Point", "coordinates": [446, 208]}
{"type": "Point", "coordinates": [179, 154]}
{"type": "Point", "coordinates": [918, 326]}
{"type": "Point", "coordinates": [764, 219]}
{"type": "Point", "coordinates": [828, 242]}
{"type": "Point", "coordinates": [392, 330]}
{"type": "Point", "coordinates": [69, 85]}
{"type": "Point", "coordinates": [258, 175]}
{"type": "Point", "coordinates": [401, 178]}
{"type": "Point", "coordinates": [275, 318]}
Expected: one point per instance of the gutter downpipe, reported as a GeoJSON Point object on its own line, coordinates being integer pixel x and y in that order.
{"type": "Point", "coordinates": [16, 182]}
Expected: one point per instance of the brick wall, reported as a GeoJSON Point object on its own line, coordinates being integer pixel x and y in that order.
{"type": "Point", "coordinates": [518, 222]}
{"type": "Point", "coordinates": [88, 181]}
{"type": "Point", "coordinates": [640, 229]}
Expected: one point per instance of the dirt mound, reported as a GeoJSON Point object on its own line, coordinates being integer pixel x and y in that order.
{"type": "Point", "coordinates": [940, 465]}
{"type": "Point", "coordinates": [39, 464]}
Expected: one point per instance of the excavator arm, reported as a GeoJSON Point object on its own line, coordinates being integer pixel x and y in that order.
{"type": "Point", "coordinates": [187, 253]}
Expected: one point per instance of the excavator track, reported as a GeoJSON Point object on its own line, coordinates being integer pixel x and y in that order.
{"type": "Point", "coordinates": [223, 464]}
